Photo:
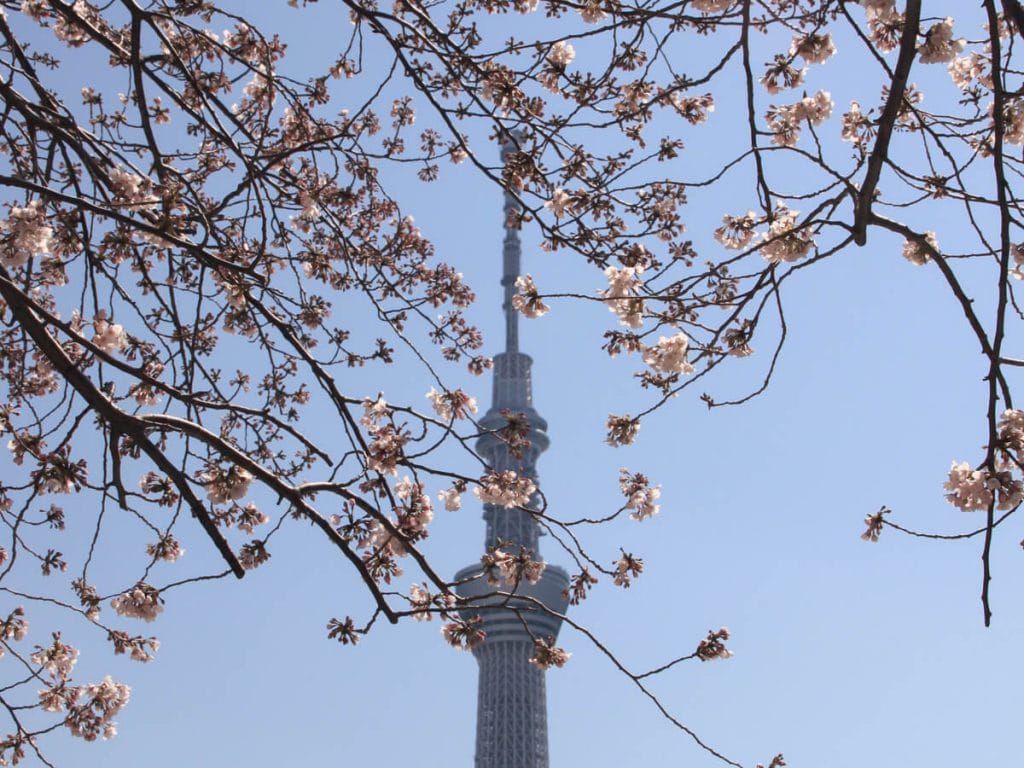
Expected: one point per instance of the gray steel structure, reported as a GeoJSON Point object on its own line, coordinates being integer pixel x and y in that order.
{"type": "Point", "coordinates": [511, 717]}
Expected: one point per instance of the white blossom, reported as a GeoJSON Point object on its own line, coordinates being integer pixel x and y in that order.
{"type": "Point", "coordinates": [561, 53]}
{"type": "Point", "coordinates": [24, 234]}
{"type": "Point", "coordinates": [916, 253]}
{"type": "Point", "coordinates": [939, 47]}
{"type": "Point", "coordinates": [669, 354]}
{"type": "Point", "coordinates": [505, 489]}
{"type": "Point", "coordinates": [621, 295]}
{"type": "Point", "coordinates": [783, 242]}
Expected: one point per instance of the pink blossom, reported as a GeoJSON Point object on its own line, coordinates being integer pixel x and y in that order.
{"type": "Point", "coordinates": [110, 337]}
{"type": "Point", "coordinates": [546, 654]}
{"type": "Point", "coordinates": [669, 355]}
{"type": "Point", "coordinates": [711, 6]}
{"type": "Point", "coordinates": [374, 411]}
{"type": "Point", "coordinates": [939, 47]}
{"type": "Point", "coordinates": [591, 12]}
{"type": "Point", "coordinates": [916, 253]}
{"type": "Point", "coordinates": [783, 242]}
{"type": "Point", "coordinates": [464, 635]}
{"type": "Point", "coordinates": [24, 234]}
{"type": "Point", "coordinates": [140, 602]}
{"type": "Point", "coordinates": [621, 295]}
{"type": "Point", "coordinates": [974, 490]}
{"type": "Point", "coordinates": [222, 485]}
{"type": "Point", "coordinates": [452, 499]}
{"type": "Point", "coordinates": [622, 430]}
{"type": "Point", "coordinates": [528, 300]}
{"type": "Point", "coordinates": [561, 53]}
{"type": "Point", "coordinates": [505, 489]}
{"type": "Point", "coordinates": [130, 190]}
{"type": "Point", "coordinates": [640, 495]}
{"type": "Point", "coordinates": [627, 568]}
{"type": "Point", "coordinates": [95, 716]}
{"type": "Point", "coordinates": [58, 659]}
{"type": "Point", "coordinates": [736, 232]}
{"type": "Point", "coordinates": [560, 203]}
{"type": "Point", "coordinates": [451, 405]}
{"type": "Point", "coordinates": [713, 646]}
{"type": "Point", "coordinates": [813, 48]}
{"type": "Point", "coordinates": [167, 548]}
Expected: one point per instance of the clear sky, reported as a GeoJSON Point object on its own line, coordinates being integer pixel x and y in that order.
{"type": "Point", "coordinates": [846, 653]}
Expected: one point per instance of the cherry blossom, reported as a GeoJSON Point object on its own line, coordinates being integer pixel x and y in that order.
{"type": "Point", "coordinates": [591, 11]}
{"type": "Point", "coordinates": [561, 54]}
{"type": "Point", "coordinates": [783, 241]}
{"type": "Point", "coordinates": [560, 204]}
{"type": "Point", "coordinates": [58, 659]}
{"type": "Point", "coordinates": [939, 46]}
{"type": "Point", "coordinates": [505, 489]}
{"type": "Point", "coordinates": [451, 405]}
{"type": "Point", "coordinates": [223, 485]}
{"type": "Point", "coordinates": [874, 524]}
{"type": "Point", "coordinates": [24, 234]}
{"type": "Point", "coordinates": [620, 296]}
{"type": "Point", "coordinates": [451, 498]}
{"type": "Point", "coordinates": [546, 654]}
{"type": "Point", "coordinates": [736, 232]}
{"type": "Point", "coordinates": [917, 253]}
{"type": "Point", "coordinates": [167, 548]}
{"type": "Point", "coordinates": [622, 430]}
{"type": "Point", "coordinates": [100, 704]}
{"type": "Point", "coordinates": [814, 48]}
{"type": "Point", "coordinates": [110, 337]}
{"type": "Point", "coordinates": [140, 602]}
{"type": "Point", "coordinates": [712, 6]}
{"type": "Point", "coordinates": [627, 568]}
{"type": "Point", "coordinates": [713, 646]}
{"type": "Point", "coordinates": [528, 300]}
{"type": "Point", "coordinates": [464, 634]}
{"type": "Point", "coordinates": [640, 494]}
{"type": "Point", "coordinates": [669, 354]}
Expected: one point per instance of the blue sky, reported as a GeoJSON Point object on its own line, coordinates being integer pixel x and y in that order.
{"type": "Point", "coordinates": [846, 653]}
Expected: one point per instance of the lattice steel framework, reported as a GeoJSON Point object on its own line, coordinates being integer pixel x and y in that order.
{"type": "Point", "coordinates": [511, 718]}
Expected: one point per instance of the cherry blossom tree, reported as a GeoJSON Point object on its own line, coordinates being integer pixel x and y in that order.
{"type": "Point", "coordinates": [209, 203]}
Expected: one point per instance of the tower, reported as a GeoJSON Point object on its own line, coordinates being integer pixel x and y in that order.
{"type": "Point", "coordinates": [511, 717]}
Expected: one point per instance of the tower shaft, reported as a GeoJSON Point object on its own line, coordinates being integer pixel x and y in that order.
{"type": "Point", "coordinates": [512, 729]}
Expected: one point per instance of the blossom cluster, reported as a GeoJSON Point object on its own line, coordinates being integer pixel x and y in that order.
{"type": "Point", "coordinates": [972, 490]}
{"type": "Point", "coordinates": [24, 234]}
{"type": "Point", "coordinates": [784, 241]}
{"type": "Point", "coordinates": [640, 494]}
{"type": "Point", "coordinates": [464, 634]}
{"type": "Point", "coordinates": [140, 602]}
{"type": "Point", "coordinates": [503, 568]}
{"type": "Point", "coordinates": [505, 489]}
{"type": "Point", "coordinates": [424, 603]}
{"type": "Point", "coordinates": [57, 659]}
{"type": "Point", "coordinates": [939, 47]}
{"type": "Point", "coordinates": [451, 405]}
{"type": "Point", "coordinates": [627, 568]}
{"type": "Point", "coordinates": [621, 296]}
{"type": "Point", "coordinates": [669, 355]}
{"type": "Point", "coordinates": [94, 717]}
{"type": "Point", "coordinates": [916, 253]}
{"type": "Point", "coordinates": [224, 485]}
{"type": "Point", "coordinates": [713, 646]}
{"type": "Point", "coordinates": [527, 300]}
{"type": "Point", "coordinates": [109, 336]}
{"type": "Point", "coordinates": [785, 121]}
{"type": "Point", "coordinates": [546, 654]}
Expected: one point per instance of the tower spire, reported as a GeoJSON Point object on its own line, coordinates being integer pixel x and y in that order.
{"type": "Point", "coordinates": [511, 256]}
{"type": "Point", "coordinates": [511, 719]}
